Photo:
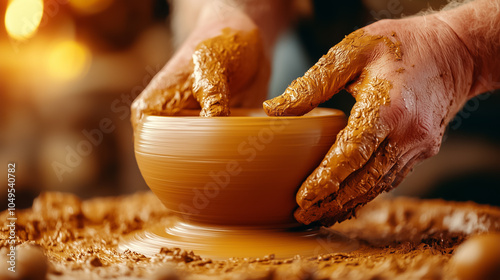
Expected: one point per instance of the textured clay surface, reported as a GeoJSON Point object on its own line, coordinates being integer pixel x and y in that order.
{"type": "Point", "coordinates": [62, 237]}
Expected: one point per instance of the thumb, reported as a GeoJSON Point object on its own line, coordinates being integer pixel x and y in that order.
{"type": "Point", "coordinates": [342, 64]}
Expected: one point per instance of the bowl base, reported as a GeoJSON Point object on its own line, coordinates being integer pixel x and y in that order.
{"type": "Point", "coordinates": [219, 242]}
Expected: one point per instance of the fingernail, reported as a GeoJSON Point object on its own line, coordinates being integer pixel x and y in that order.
{"type": "Point", "coordinates": [306, 204]}
{"type": "Point", "coordinates": [317, 189]}
{"type": "Point", "coordinates": [268, 107]}
{"type": "Point", "coordinates": [276, 106]}
{"type": "Point", "coordinates": [305, 198]}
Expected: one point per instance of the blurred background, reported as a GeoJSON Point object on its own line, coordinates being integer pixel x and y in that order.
{"type": "Point", "coordinates": [69, 70]}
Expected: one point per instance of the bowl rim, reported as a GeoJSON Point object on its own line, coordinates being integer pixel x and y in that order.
{"type": "Point", "coordinates": [316, 113]}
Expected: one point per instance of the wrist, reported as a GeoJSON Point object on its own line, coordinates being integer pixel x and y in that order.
{"type": "Point", "coordinates": [270, 17]}
{"type": "Point", "coordinates": [476, 25]}
{"type": "Point", "coordinates": [211, 24]}
{"type": "Point", "coordinates": [459, 60]}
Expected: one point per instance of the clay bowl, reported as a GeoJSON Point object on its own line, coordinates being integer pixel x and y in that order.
{"type": "Point", "coordinates": [242, 170]}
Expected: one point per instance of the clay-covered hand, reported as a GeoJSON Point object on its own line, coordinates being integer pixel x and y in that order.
{"type": "Point", "coordinates": [221, 64]}
{"type": "Point", "coordinates": [409, 77]}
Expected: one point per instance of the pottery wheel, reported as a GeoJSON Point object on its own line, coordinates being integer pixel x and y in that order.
{"type": "Point", "coordinates": [62, 237]}
{"type": "Point", "coordinates": [239, 242]}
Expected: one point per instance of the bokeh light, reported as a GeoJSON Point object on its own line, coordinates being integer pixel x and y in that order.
{"type": "Point", "coordinates": [90, 6]}
{"type": "Point", "coordinates": [23, 17]}
{"type": "Point", "coordinates": [68, 60]}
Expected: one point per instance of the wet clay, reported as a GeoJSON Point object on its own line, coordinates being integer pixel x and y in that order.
{"type": "Point", "coordinates": [219, 71]}
{"type": "Point", "coordinates": [222, 65]}
{"type": "Point", "coordinates": [326, 195]}
{"type": "Point", "coordinates": [233, 181]}
{"type": "Point", "coordinates": [242, 170]}
{"type": "Point", "coordinates": [167, 101]}
{"type": "Point", "coordinates": [223, 242]}
{"type": "Point", "coordinates": [398, 239]}
{"type": "Point", "coordinates": [342, 64]}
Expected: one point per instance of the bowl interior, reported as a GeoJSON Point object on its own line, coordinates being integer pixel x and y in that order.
{"type": "Point", "coordinates": [239, 170]}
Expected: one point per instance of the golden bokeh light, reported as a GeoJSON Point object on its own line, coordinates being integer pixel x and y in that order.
{"type": "Point", "coordinates": [90, 6]}
{"type": "Point", "coordinates": [23, 17]}
{"type": "Point", "coordinates": [68, 60]}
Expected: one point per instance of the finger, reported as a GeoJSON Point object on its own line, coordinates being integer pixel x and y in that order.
{"type": "Point", "coordinates": [361, 187]}
{"type": "Point", "coordinates": [330, 74]}
{"type": "Point", "coordinates": [377, 182]}
{"type": "Point", "coordinates": [166, 94]}
{"type": "Point", "coordinates": [405, 170]}
{"type": "Point", "coordinates": [222, 65]}
{"type": "Point", "coordinates": [210, 83]}
{"type": "Point", "coordinates": [354, 145]}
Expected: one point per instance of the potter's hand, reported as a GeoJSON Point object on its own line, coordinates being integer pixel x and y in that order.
{"type": "Point", "coordinates": [221, 63]}
{"type": "Point", "coordinates": [409, 77]}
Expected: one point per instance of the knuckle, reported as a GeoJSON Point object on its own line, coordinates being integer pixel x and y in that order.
{"type": "Point", "coordinates": [397, 114]}
{"type": "Point", "coordinates": [135, 109]}
{"type": "Point", "coordinates": [139, 105]}
{"type": "Point", "coordinates": [434, 148]}
{"type": "Point", "coordinates": [427, 122]}
{"type": "Point", "coordinates": [136, 104]}
{"type": "Point", "coordinates": [423, 131]}
{"type": "Point", "coordinates": [430, 148]}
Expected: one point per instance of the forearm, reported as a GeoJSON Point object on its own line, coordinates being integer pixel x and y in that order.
{"type": "Point", "coordinates": [270, 16]}
{"type": "Point", "coordinates": [477, 24]}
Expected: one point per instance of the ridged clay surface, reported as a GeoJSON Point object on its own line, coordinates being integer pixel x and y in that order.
{"type": "Point", "coordinates": [239, 170]}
